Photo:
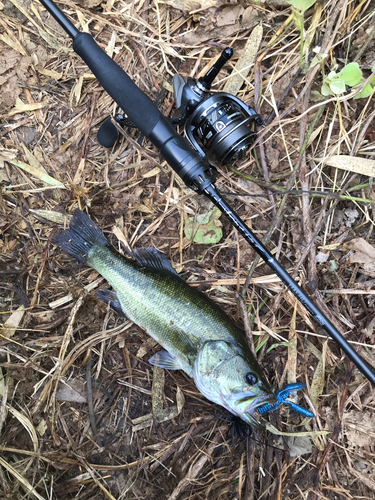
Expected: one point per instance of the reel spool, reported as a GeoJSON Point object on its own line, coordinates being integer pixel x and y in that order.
{"type": "Point", "coordinates": [219, 128]}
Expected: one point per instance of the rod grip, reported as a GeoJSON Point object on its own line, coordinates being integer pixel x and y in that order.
{"type": "Point", "coordinates": [117, 84]}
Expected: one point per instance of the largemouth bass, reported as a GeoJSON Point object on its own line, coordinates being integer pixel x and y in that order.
{"type": "Point", "coordinates": [198, 337]}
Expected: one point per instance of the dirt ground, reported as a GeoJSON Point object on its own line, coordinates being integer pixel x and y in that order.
{"type": "Point", "coordinates": [82, 412]}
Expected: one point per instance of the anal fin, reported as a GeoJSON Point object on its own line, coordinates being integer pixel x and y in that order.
{"type": "Point", "coordinates": [110, 297]}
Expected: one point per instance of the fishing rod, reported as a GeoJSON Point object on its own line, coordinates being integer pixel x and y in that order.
{"type": "Point", "coordinates": [219, 123]}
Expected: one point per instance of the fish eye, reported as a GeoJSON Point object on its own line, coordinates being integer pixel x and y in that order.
{"type": "Point", "coordinates": [250, 378]}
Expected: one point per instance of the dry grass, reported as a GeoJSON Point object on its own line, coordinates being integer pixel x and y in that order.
{"type": "Point", "coordinates": [77, 392]}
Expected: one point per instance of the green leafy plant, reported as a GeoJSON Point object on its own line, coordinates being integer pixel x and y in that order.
{"type": "Point", "coordinates": [273, 346]}
{"type": "Point", "coordinates": [298, 9]}
{"type": "Point", "coordinates": [351, 76]}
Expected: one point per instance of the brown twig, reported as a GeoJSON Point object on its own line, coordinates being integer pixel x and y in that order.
{"type": "Point", "coordinates": [90, 402]}
{"type": "Point", "coordinates": [245, 316]}
{"type": "Point", "coordinates": [263, 161]}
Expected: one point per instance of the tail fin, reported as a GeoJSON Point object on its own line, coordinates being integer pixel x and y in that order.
{"type": "Point", "coordinates": [81, 236]}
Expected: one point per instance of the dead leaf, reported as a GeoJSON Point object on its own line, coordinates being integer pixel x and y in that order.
{"type": "Point", "coordinates": [151, 173]}
{"type": "Point", "coordinates": [75, 93]}
{"type": "Point", "coordinates": [14, 44]}
{"type": "Point", "coordinates": [33, 161]}
{"type": "Point", "coordinates": [157, 392]}
{"type": "Point", "coordinates": [292, 350]}
{"type": "Point", "coordinates": [205, 33]}
{"type": "Point", "coordinates": [299, 243]}
{"type": "Point", "coordinates": [300, 445]}
{"type": "Point", "coordinates": [13, 71]}
{"type": "Point", "coordinates": [249, 14]}
{"type": "Point", "coordinates": [12, 323]}
{"type": "Point", "coordinates": [273, 155]}
{"type": "Point", "coordinates": [160, 414]}
{"type": "Point", "coordinates": [57, 217]}
{"type": "Point", "coordinates": [361, 252]}
{"type": "Point", "coordinates": [73, 391]}
{"type": "Point", "coordinates": [358, 426]}
{"type": "Point", "coordinates": [350, 215]}
{"type": "Point", "coordinates": [317, 384]}
{"type": "Point", "coordinates": [229, 15]}
{"type": "Point", "coordinates": [254, 189]}
{"type": "Point", "coordinates": [245, 61]}
{"type": "Point", "coordinates": [38, 174]}
{"type": "Point", "coordinates": [322, 257]}
{"type": "Point", "coordinates": [49, 72]}
{"type": "Point", "coordinates": [39, 55]}
{"type": "Point", "coordinates": [190, 5]}
{"type": "Point", "coordinates": [42, 427]}
{"type": "Point", "coordinates": [352, 164]}
{"type": "Point", "coordinates": [25, 108]}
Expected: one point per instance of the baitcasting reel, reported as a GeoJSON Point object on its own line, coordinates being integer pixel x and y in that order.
{"type": "Point", "coordinates": [217, 126]}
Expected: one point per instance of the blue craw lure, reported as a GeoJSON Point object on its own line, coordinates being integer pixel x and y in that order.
{"type": "Point", "coordinates": [282, 396]}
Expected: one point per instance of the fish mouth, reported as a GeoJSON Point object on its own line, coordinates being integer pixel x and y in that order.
{"type": "Point", "coordinates": [246, 407]}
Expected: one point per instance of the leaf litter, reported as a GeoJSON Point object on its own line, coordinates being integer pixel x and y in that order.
{"type": "Point", "coordinates": [156, 436]}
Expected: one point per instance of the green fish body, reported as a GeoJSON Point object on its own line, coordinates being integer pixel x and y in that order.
{"type": "Point", "coordinates": [198, 337]}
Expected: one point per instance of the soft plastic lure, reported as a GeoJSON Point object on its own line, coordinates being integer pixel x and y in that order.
{"type": "Point", "coordinates": [282, 398]}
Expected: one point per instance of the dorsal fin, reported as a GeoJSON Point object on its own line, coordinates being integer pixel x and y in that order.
{"type": "Point", "coordinates": [152, 258]}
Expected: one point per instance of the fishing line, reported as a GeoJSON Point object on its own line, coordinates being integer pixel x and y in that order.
{"type": "Point", "coordinates": [238, 429]}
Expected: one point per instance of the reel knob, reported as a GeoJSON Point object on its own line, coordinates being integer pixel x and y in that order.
{"type": "Point", "coordinates": [219, 128]}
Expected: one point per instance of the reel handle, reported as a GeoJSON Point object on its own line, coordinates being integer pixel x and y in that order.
{"type": "Point", "coordinates": [108, 134]}
{"type": "Point", "coordinates": [212, 73]}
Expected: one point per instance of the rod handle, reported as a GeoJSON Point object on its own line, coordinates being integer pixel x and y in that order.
{"type": "Point", "coordinates": [186, 162]}
{"type": "Point", "coordinates": [138, 107]}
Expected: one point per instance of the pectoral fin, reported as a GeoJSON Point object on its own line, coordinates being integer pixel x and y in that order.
{"type": "Point", "coordinates": [164, 360]}
{"type": "Point", "coordinates": [110, 297]}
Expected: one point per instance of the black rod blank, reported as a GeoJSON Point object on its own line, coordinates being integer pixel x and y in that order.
{"type": "Point", "coordinates": [60, 18]}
